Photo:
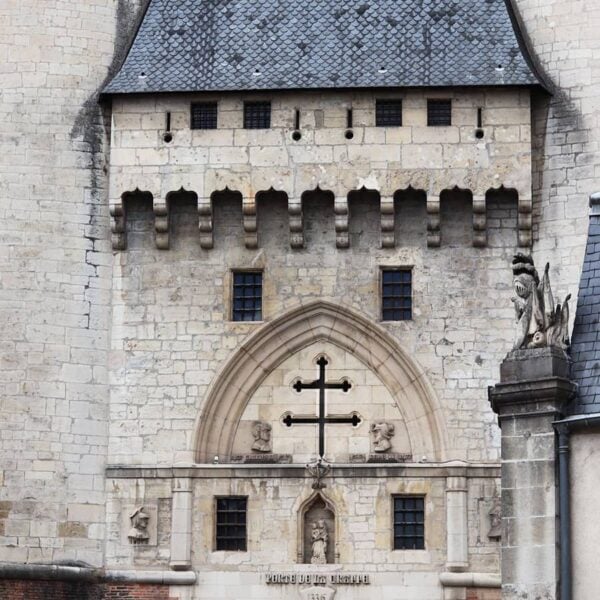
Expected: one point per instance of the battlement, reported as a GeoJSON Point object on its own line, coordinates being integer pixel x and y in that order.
{"type": "Point", "coordinates": [327, 146]}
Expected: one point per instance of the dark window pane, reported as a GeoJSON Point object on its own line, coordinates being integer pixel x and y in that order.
{"type": "Point", "coordinates": [409, 516]}
{"type": "Point", "coordinates": [247, 296]}
{"type": "Point", "coordinates": [257, 115]}
{"type": "Point", "coordinates": [204, 116]}
{"type": "Point", "coordinates": [388, 113]}
{"type": "Point", "coordinates": [231, 524]}
{"type": "Point", "coordinates": [396, 294]}
{"type": "Point", "coordinates": [439, 112]}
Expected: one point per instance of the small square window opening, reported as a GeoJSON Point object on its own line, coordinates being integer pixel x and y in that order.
{"type": "Point", "coordinates": [231, 513]}
{"type": "Point", "coordinates": [257, 115]}
{"type": "Point", "coordinates": [388, 113]}
{"type": "Point", "coordinates": [204, 115]}
{"type": "Point", "coordinates": [409, 523]}
{"type": "Point", "coordinates": [439, 112]}
{"type": "Point", "coordinates": [247, 296]}
{"type": "Point", "coordinates": [396, 295]}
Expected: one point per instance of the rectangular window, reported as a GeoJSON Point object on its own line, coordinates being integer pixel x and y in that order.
{"type": "Point", "coordinates": [231, 523]}
{"type": "Point", "coordinates": [257, 115]}
{"type": "Point", "coordinates": [247, 296]}
{"type": "Point", "coordinates": [439, 112]}
{"type": "Point", "coordinates": [396, 294]}
{"type": "Point", "coordinates": [388, 113]}
{"type": "Point", "coordinates": [409, 523]}
{"type": "Point", "coordinates": [204, 115]}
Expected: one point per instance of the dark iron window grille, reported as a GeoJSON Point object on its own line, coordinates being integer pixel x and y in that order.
{"type": "Point", "coordinates": [439, 112]}
{"type": "Point", "coordinates": [247, 296]}
{"type": "Point", "coordinates": [231, 523]}
{"type": "Point", "coordinates": [257, 115]}
{"type": "Point", "coordinates": [204, 115]}
{"type": "Point", "coordinates": [409, 523]}
{"type": "Point", "coordinates": [388, 113]}
{"type": "Point", "coordinates": [396, 294]}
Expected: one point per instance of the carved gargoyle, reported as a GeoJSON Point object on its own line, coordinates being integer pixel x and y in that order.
{"type": "Point", "coordinates": [539, 322]}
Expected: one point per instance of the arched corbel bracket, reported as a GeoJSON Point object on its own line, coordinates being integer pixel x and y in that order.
{"type": "Point", "coordinates": [340, 208]}
{"type": "Point", "coordinates": [249, 219]}
{"type": "Point", "coordinates": [479, 222]}
{"type": "Point", "coordinates": [296, 223]}
{"type": "Point", "coordinates": [388, 222]}
{"type": "Point", "coordinates": [161, 223]}
{"type": "Point", "coordinates": [525, 222]}
{"type": "Point", "coordinates": [205, 222]}
{"type": "Point", "coordinates": [433, 222]}
{"type": "Point", "coordinates": [118, 214]}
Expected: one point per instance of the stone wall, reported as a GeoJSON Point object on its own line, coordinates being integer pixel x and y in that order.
{"type": "Point", "coordinates": [55, 259]}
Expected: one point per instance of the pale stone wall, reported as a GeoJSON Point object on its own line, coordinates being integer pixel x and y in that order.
{"type": "Point", "coordinates": [56, 275]}
{"type": "Point", "coordinates": [566, 130]}
{"type": "Point", "coordinates": [585, 499]}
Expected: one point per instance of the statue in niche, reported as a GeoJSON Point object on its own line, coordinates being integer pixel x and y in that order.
{"type": "Point", "coordinates": [540, 323]}
{"type": "Point", "coordinates": [138, 534]}
{"type": "Point", "coordinates": [262, 436]}
{"type": "Point", "coordinates": [382, 434]}
{"type": "Point", "coordinates": [495, 514]}
{"type": "Point", "coordinates": [319, 542]}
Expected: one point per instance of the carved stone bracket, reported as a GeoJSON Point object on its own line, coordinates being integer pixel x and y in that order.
{"type": "Point", "coordinates": [388, 222]}
{"type": "Point", "coordinates": [205, 222]}
{"type": "Point", "coordinates": [249, 219]}
{"type": "Point", "coordinates": [118, 214]}
{"type": "Point", "coordinates": [340, 208]}
{"type": "Point", "coordinates": [296, 223]}
{"type": "Point", "coordinates": [479, 222]}
{"type": "Point", "coordinates": [433, 222]}
{"type": "Point", "coordinates": [161, 223]}
{"type": "Point", "coordinates": [525, 222]}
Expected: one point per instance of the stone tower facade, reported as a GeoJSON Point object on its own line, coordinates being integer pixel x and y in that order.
{"type": "Point", "coordinates": [58, 274]}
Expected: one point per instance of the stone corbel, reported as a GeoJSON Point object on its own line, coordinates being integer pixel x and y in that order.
{"type": "Point", "coordinates": [118, 215]}
{"type": "Point", "coordinates": [479, 222]}
{"type": "Point", "coordinates": [161, 223]}
{"type": "Point", "coordinates": [181, 525]}
{"type": "Point", "coordinates": [525, 222]}
{"type": "Point", "coordinates": [433, 222]}
{"type": "Point", "coordinates": [249, 219]}
{"type": "Point", "coordinates": [340, 208]}
{"type": "Point", "coordinates": [388, 222]}
{"type": "Point", "coordinates": [205, 222]}
{"type": "Point", "coordinates": [296, 223]}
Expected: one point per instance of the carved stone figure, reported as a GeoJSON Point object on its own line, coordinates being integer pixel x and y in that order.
{"type": "Point", "coordinates": [138, 534]}
{"type": "Point", "coordinates": [495, 514]}
{"type": "Point", "coordinates": [262, 437]}
{"type": "Point", "coordinates": [539, 322]}
{"type": "Point", "coordinates": [319, 543]}
{"type": "Point", "coordinates": [382, 434]}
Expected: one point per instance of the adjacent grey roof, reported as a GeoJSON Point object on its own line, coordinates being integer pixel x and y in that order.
{"type": "Point", "coordinates": [585, 343]}
{"type": "Point", "coordinates": [202, 45]}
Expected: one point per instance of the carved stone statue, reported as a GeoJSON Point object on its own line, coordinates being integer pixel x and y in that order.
{"type": "Point", "coordinates": [382, 434]}
{"type": "Point", "coordinates": [495, 514]}
{"type": "Point", "coordinates": [539, 322]}
{"type": "Point", "coordinates": [138, 534]}
{"type": "Point", "coordinates": [262, 436]}
{"type": "Point", "coordinates": [319, 542]}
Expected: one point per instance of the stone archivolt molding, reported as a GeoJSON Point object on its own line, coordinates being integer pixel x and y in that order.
{"type": "Point", "coordinates": [342, 207]}
{"type": "Point", "coordinates": [268, 347]}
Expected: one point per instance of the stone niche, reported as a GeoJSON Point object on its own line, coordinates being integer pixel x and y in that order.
{"type": "Point", "coordinates": [318, 531]}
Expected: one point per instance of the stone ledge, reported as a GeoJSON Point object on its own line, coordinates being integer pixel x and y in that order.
{"type": "Point", "coordinates": [480, 580]}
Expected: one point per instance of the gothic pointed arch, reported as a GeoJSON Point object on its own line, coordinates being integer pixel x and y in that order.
{"type": "Point", "coordinates": [320, 321]}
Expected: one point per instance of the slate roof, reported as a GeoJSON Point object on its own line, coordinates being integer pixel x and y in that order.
{"type": "Point", "coordinates": [202, 45]}
{"type": "Point", "coordinates": [585, 342]}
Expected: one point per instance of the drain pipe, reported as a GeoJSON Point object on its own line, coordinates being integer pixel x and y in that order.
{"type": "Point", "coordinates": [564, 510]}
